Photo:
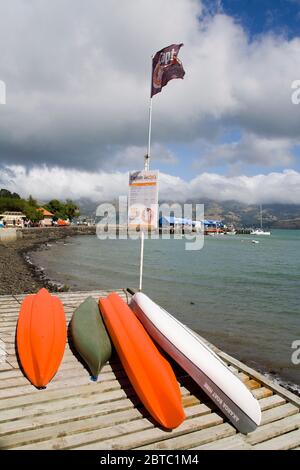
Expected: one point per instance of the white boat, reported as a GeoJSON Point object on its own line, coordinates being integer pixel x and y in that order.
{"type": "Point", "coordinates": [260, 231]}
{"type": "Point", "coordinates": [254, 241]}
{"type": "Point", "coordinates": [200, 362]}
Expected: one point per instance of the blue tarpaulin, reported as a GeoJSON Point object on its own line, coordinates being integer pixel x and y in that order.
{"type": "Point", "coordinates": [171, 220]}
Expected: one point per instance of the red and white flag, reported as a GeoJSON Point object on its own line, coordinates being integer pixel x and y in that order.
{"type": "Point", "coordinates": [165, 67]}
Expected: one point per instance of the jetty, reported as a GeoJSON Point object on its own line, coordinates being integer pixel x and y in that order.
{"type": "Point", "coordinates": [74, 412]}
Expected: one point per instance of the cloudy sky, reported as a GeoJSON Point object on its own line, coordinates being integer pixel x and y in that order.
{"type": "Point", "coordinates": [77, 75]}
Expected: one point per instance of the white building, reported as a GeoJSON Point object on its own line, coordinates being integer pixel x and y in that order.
{"type": "Point", "coordinates": [13, 219]}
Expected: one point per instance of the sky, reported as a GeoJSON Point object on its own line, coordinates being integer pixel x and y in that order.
{"type": "Point", "coordinates": [77, 77]}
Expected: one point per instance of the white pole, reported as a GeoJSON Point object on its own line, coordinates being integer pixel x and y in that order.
{"type": "Point", "coordinates": [141, 260]}
{"type": "Point", "coordinates": [147, 159]}
{"type": "Point", "coordinates": [146, 167]}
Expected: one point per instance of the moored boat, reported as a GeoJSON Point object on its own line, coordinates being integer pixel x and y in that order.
{"type": "Point", "coordinates": [90, 337]}
{"type": "Point", "coordinates": [148, 371]}
{"type": "Point", "coordinates": [259, 231]}
{"type": "Point", "coordinates": [200, 362]}
{"type": "Point", "coordinates": [41, 337]}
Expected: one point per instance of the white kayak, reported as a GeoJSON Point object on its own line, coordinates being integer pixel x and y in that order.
{"type": "Point", "coordinates": [200, 362]}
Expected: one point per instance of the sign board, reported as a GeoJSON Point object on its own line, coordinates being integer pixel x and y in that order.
{"type": "Point", "coordinates": [143, 199]}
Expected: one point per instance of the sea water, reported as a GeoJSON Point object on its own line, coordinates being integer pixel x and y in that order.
{"type": "Point", "coordinates": [243, 297]}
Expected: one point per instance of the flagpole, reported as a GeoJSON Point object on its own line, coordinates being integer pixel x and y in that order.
{"type": "Point", "coordinates": [146, 167]}
{"type": "Point", "coordinates": [147, 158]}
{"type": "Point", "coordinates": [179, 74]}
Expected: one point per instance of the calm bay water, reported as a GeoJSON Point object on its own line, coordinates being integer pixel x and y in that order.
{"type": "Point", "coordinates": [243, 297]}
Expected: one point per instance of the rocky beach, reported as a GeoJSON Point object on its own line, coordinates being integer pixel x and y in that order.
{"type": "Point", "coordinates": [17, 275]}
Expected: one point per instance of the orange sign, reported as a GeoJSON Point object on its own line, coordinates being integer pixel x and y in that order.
{"type": "Point", "coordinates": [143, 199]}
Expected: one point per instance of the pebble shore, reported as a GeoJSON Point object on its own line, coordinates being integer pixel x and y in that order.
{"type": "Point", "coordinates": [17, 276]}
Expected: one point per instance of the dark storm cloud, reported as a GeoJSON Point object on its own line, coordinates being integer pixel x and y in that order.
{"type": "Point", "coordinates": [78, 80]}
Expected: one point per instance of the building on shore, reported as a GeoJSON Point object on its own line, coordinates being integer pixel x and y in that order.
{"type": "Point", "coordinates": [13, 219]}
{"type": "Point", "coordinates": [47, 217]}
{"type": "Point", "coordinates": [213, 226]}
{"type": "Point", "coordinates": [206, 226]}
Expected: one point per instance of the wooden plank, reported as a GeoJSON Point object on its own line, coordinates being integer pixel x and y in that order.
{"type": "Point", "coordinates": [190, 400]}
{"type": "Point", "coordinates": [29, 389]}
{"type": "Point", "coordinates": [154, 435]}
{"type": "Point", "coordinates": [72, 427]}
{"type": "Point", "coordinates": [291, 397]}
{"type": "Point", "coordinates": [235, 442]}
{"type": "Point", "coordinates": [67, 369]}
{"type": "Point", "coordinates": [7, 338]}
{"type": "Point", "coordinates": [66, 403]}
{"type": "Point", "coordinates": [84, 402]}
{"type": "Point", "coordinates": [274, 429]}
{"type": "Point", "coordinates": [271, 402]}
{"type": "Point", "coordinates": [5, 366]}
{"type": "Point", "coordinates": [71, 372]}
{"type": "Point", "coordinates": [7, 329]}
{"type": "Point", "coordinates": [48, 395]}
{"type": "Point", "coordinates": [86, 390]}
{"type": "Point", "coordinates": [15, 373]}
{"type": "Point", "coordinates": [285, 442]}
{"type": "Point", "coordinates": [66, 441]}
{"type": "Point", "coordinates": [83, 412]}
{"type": "Point", "coordinates": [193, 439]}
{"type": "Point", "coordinates": [252, 384]}
{"type": "Point", "coordinates": [233, 369]}
{"type": "Point", "coordinates": [244, 377]}
{"type": "Point", "coordinates": [279, 412]}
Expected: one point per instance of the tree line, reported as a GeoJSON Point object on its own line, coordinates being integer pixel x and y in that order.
{"type": "Point", "coordinates": [61, 210]}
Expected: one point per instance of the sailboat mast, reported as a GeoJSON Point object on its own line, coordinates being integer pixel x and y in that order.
{"type": "Point", "coordinates": [261, 217]}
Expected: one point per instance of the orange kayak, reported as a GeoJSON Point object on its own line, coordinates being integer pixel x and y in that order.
{"type": "Point", "coordinates": [148, 371]}
{"type": "Point", "coordinates": [41, 337]}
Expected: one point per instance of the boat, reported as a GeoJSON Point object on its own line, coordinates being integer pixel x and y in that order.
{"type": "Point", "coordinates": [260, 231]}
{"type": "Point", "coordinates": [41, 337]}
{"type": "Point", "coordinates": [148, 370]}
{"type": "Point", "coordinates": [255, 242]}
{"type": "Point", "coordinates": [200, 362]}
{"type": "Point", "coordinates": [89, 336]}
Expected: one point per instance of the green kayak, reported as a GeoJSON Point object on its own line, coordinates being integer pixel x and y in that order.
{"type": "Point", "coordinates": [90, 338]}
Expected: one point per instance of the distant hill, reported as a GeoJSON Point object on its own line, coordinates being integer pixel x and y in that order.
{"type": "Point", "coordinates": [232, 213]}
{"type": "Point", "coordinates": [243, 215]}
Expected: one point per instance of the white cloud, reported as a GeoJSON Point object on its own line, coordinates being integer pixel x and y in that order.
{"type": "Point", "coordinates": [45, 183]}
{"type": "Point", "coordinates": [78, 81]}
{"type": "Point", "coordinates": [250, 150]}
{"type": "Point", "coordinates": [132, 157]}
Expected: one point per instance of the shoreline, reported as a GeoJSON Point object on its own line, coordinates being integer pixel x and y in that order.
{"type": "Point", "coordinates": [270, 373]}
{"type": "Point", "coordinates": [30, 277]}
{"type": "Point", "coordinates": [18, 275]}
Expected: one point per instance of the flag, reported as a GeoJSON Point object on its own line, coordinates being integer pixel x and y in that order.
{"type": "Point", "coordinates": [165, 67]}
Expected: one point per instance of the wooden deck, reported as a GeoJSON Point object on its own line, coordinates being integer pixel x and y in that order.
{"type": "Point", "coordinates": [76, 413]}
